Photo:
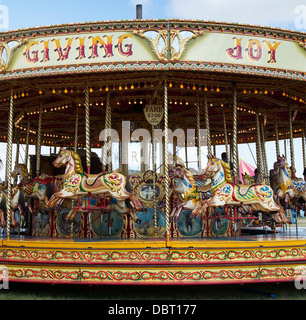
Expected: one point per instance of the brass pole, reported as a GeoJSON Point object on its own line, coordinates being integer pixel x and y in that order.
{"type": "Point", "coordinates": [76, 133]}
{"type": "Point", "coordinates": [154, 181]}
{"type": "Point", "coordinates": [291, 139]}
{"type": "Point", "coordinates": [263, 150]}
{"type": "Point", "coordinates": [225, 136]}
{"type": "Point", "coordinates": [17, 152]}
{"type": "Point", "coordinates": [198, 133]}
{"type": "Point", "coordinates": [9, 163]}
{"type": "Point", "coordinates": [303, 145]}
{"type": "Point", "coordinates": [27, 145]}
{"type": "Point", "coordinates": [258, 148]}
{"type": "Point", "coordinates": [38, 145]}
{"type": "Point", "coordinates": [207, 126]}
{"type": "Point", "coordinates": [276, 137]}
{"type": "Point", "coordinates": [234, 138]}
{"type": "Point", "coordinates": [87, 127]}
{"type": "Point", "coordinates": [166, 153]}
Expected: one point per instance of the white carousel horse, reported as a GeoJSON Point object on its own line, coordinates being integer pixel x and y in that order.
{"type": "Point", "coordinates": [77, 183]}
{"type": "Point", "coordinates": [286, 187]}
{"type": "Point", "coordinates": [224, 192]}
{"type": "Point", "coordinates": [40, 187]}
{"type": "Point", "coordinates": [192, 195]}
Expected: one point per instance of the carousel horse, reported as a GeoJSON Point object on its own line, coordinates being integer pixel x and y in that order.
{"type": "Point", "coordinates": [40, 187]}
{"type": "Point", "coordinates": [77, 183]}
{"type": "Point", "coordinates": [17, 203]}
{"type": "Point", "coordinates": [192, 194]}
{"type": "Point", "coordinates": [286, 187]}
{"type": "Point", "coordinates": [248, 179]}
{"type": "Point", "coordinates": [224, 192]}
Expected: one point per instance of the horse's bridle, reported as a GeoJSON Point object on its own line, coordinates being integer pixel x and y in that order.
{"type": "Point", "coordinates": [212, 171]}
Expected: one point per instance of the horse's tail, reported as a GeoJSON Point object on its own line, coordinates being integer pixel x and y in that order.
{"type": "Point", "coordinates": [49, 191]}
{"type": "Point", "coordinates": [21, 200]}
{"type": "Point", "coordinates": [3, 202]}
{"type": "Point", "coordinates": [128, 186]}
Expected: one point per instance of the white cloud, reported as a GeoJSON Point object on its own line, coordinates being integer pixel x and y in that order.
{"type": "Point", "coordinates": [278, 13]}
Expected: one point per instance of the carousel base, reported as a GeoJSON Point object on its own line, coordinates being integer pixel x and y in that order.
{"type": "Point", "coordinates": [244, 259]}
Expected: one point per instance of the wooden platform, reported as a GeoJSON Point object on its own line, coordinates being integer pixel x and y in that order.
{"type": "Point", "coordinates": [261, 258]}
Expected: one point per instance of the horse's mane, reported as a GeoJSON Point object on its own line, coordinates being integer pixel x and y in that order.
{"type": "Point", "coordinates": [189, 175]}
{"type": "Point", "coordinates": [288, 170]}
{"type": "Point", "coordinates": [227, 171]}
{"type": "Point", "coordinates": [24, 169]}
{"type": "Point", "coordinates": [78, 162]}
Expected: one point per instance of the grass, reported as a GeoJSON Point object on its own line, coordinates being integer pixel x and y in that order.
{"type": "Point", "coordinates": [282, 291]}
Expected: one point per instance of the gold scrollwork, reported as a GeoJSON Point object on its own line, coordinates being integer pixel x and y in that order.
{"type": "Point", "coordinates": [163, 44]}
{"type": "Point", "coordinates": [7, 53]}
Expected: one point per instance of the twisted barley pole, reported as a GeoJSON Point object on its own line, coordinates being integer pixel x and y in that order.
{"type": "Point", "coordinates": [303, 144]}
{"type": "Point", "coordinates": [263, 150]}
{"type": "Point", "coordinates": [198, 133]}
{"type": "Point", "coordinates": [9, 163]}
{"type": "Point", "coordinates": [109, 126]}
{"type": "Point", "coordinates": [225, 135]}
{"type": "Point", "coordinates": [154, 181]}
{"type": "Point", "coordinates": [87, 127]}
{"type": "Point", "coordinates": [291, 139]}
{"type": "Point", "coordinates": [27, 145]}
{"type": "Point", "coordinates": [76, 131]}
{"type": "Point", "coordinates": [38, 151]}
{"type": "Point", "coordinates": [277, 149]}
{"type": "Point", "coordinates": [258, 147]}
{"type": "Point", "coordinates": [107, 149]}
{"type": "Point", "coordinates": [167, 189]}
{"type": "Point", "coordinates": [206, 116]}
{"type": "Point", "coordinates": [235, 144]}
{"type": "Point", "coordinates": [76, 134]}
{"type": "Point", "coordinates": [17, 152]}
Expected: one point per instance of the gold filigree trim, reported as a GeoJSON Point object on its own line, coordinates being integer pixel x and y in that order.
{"type": "Point", "coordinates": [165, 41]}
{"type": "Point", "coordinates": [7, 53]}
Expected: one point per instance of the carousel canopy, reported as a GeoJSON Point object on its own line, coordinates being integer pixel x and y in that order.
{"type": "Point", "coordinates": [46, 70]}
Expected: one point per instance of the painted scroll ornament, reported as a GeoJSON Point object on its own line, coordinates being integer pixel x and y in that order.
{"type": "Point", "coordinates": [160, 42]}
{"type": "Point", "coordinates": [7, 51]}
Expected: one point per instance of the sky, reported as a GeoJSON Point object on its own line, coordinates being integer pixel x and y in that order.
{"type": "Point", "coordinates": [273, 13]}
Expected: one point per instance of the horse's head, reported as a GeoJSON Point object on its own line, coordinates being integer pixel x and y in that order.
{"type": "Point", "coordinates": [135, 203]}
{"type": "Point", "coordinates": [281, 162]}
{"type": "Point", "coordinates": [16, 170]}
{"type": "Point", "coordinates": [177, 171]}
{"type": "Point", "coordinates": [62, 159]}
{"type": "Point", "coordinates": [213, 166]}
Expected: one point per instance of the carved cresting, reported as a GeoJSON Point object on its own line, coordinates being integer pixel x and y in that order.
{"type": "Point", "coordinates": [7, 53]}
{"type": "Point", "coordinates": [169, 42]}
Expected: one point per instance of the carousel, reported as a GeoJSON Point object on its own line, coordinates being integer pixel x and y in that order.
{"type": "Point", "coordinates": [126, 186]}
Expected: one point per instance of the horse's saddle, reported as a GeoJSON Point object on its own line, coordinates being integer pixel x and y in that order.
{"type": "Point", "coordinates": [243, 189]}
{"type": "Point", "coordinates": [90, 182]}
{"type": "Point", "coordinates": [93, 182]}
